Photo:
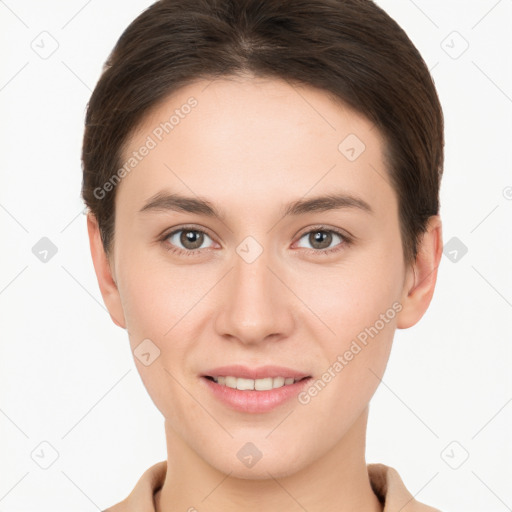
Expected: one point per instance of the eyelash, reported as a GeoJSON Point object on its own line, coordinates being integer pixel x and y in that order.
{"type": "Point", "coordinates": [346, 241]}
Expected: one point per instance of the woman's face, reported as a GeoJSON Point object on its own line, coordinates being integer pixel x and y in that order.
{"type": "Point", "coordinates": [276, 279]}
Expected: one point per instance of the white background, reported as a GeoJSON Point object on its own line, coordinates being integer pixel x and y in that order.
{"type": "Point", "coordinates": [67, 376]}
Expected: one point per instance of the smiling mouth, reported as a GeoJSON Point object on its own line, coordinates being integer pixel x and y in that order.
{"type": "Point", "coordinates": [264, 384]}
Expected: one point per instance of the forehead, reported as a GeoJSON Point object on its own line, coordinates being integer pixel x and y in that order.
{"type": "Point", "coordinates": [236, 140]}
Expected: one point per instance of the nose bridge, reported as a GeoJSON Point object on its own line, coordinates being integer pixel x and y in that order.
{"type": "Point", "coordinates": [252, 281]}
{"type": "Point", "coordinates": [255, 304]}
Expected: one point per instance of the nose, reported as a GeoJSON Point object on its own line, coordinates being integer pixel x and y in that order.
{"type": "Point", "coordinates": [254, 306]}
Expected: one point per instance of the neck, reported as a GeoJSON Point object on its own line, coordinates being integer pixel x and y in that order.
{"type": "Point", "coordinates": [335, 482]}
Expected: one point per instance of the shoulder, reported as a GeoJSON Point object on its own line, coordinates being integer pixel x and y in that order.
{"type": "Point", "coordinates": [390, 489]}
{"type": "Point", "coordinates": [141, 497]}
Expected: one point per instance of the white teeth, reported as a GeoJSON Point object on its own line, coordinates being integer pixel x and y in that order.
{"type": "Point", "coordinates": [264, 384]}
{"type": "Point", "coordinates": [254, 384]}
{"type": "Point", "coordinates": [278, 382]}
{"type": "Point", "coordinates": [231, 382]}
{"type": "Point", "coordinates": [243, 384]}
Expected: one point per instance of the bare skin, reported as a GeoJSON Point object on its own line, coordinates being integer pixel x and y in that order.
{"type": "Point", "coordinates": [250, 147]}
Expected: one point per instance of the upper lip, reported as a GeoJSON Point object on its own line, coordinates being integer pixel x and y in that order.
{"type": "Point", "coordinates": [260, 372]}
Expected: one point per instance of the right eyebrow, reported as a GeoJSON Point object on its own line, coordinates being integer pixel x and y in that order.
{"type": "Point", "coordinates": [163, 201]}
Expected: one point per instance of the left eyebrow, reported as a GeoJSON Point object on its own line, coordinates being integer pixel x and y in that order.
{"type": "Point", "coordinates": [163, 201]}
{"type": "Point", "coordinates": [327, 202]}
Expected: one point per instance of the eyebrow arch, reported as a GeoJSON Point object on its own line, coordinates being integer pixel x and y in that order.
{"type": "Point", "coordinates": [325, 203]}
{"type": "Point", "coordinates": [163, 201]}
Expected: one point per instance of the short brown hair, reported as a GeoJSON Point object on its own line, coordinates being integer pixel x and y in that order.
{"type": "Point", "coordinates": [351, 49]}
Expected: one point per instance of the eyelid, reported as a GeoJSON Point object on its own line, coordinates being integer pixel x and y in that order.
{"type": "Point", "coordinates": [324, 227]}
{"type": "Point", "coordinates": [191, 227]}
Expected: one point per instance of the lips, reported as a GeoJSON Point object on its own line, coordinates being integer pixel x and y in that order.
{"type": "Point", "coordinates": [254, 390]}
{"type": "Point", "coordinates": [262, 372]}
{"type": "Point", "coordinates": [258, 399]}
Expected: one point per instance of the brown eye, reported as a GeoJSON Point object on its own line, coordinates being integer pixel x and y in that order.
{"type": "Point", "coordinates": [187, 239]}
{"type": "Point", "coordinates": [191, 239]}
{"type": "Point", "coordinates": [321, 240]}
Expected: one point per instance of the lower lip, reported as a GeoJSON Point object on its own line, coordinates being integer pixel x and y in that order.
{"type": "Point", "coordinates": [255, 401]}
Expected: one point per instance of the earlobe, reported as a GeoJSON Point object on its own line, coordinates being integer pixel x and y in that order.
{"type": "Point", "coordinates": [421, 279]}
{"type": "Point", "coordinates": [102, 268]}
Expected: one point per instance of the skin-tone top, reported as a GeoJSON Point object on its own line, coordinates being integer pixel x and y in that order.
{"type": "Point", "coordinates": [385, 481]}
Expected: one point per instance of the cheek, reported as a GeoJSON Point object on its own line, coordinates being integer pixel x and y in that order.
{"type": "Point", "coordinates": [356, 308]}
{"type": "Point", "coordinates": [351, 299]}
{"type": "Point", "coordinates": [162, 305]}
{"type": "Point", "coordinates": [157, 299]}
{"type": "Point", "coordinates": [361, 311]}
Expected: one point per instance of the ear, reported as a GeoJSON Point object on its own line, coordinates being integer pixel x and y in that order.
{"type": "Point", "coordinates": [421, 277]}
{"type": "Point", "coordinates": [102, 267]}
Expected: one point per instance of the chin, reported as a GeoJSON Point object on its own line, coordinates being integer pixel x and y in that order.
{"type": "Point", "coordinates": [252, 461]}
